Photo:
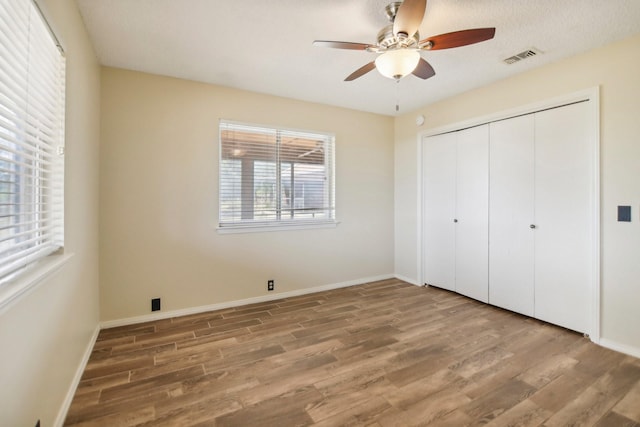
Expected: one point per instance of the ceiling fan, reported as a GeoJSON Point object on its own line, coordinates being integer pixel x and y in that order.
{"type": "Point", "coordinates": [399, 43]}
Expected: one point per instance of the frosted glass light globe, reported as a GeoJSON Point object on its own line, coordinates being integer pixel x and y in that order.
{"type": "Point", "coordinates": [397, 63]}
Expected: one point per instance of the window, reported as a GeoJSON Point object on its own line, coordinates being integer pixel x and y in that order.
{"type": "Point", "coordinates": [275, 177]}
{"type": "Point", "coordinates": [32, 87]}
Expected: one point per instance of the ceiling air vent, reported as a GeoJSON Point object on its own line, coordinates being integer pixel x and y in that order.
{"type": "Point", "coordinates": [522, 55]}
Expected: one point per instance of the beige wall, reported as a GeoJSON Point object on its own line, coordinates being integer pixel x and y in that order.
{"type": "Point", "coordinates": [159, 206]}
{"type": "Point", "coordinates": [615, 69]}
{"type": "Point", "coordinates": [44, 335]}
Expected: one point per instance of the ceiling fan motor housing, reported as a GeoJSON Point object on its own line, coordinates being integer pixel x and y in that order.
{"type": "Point", "coordinates": [387, 39]}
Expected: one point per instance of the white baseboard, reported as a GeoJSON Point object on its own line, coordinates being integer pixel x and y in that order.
{"type": "Point", "coordinates": [406, 279]}
{"type": "Point", "coordinates": [622, 348]}
{"type": "Point", "coordinates": [263, 298]}
{"type": "Point", "coordinates": [66, 404]}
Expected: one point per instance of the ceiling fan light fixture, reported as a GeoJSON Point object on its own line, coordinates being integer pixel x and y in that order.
{"type": "Point", "coordinates": [397, 63]}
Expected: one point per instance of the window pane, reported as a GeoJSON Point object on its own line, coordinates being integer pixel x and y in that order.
{"type": "Point", "coordinates": [265, 200]}
{"type": "Point", "coordinates": [230, 203]}
{"type": "Point", "coordinates": [310, 197]}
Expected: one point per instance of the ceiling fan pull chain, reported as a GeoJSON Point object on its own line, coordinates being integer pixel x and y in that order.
{"type": "Point", "coordinates": [397, 95]}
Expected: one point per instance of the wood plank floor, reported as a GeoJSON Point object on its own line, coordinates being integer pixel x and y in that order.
{"type": "Point", "coordinates": [380, 354]}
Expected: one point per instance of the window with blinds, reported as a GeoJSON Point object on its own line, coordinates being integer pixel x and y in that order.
{"type": "Point", "coordinates": [32, 88]}
{"type": "Point", "coordinates": [275, 177]}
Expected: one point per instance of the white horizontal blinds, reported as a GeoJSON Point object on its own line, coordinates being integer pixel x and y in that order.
{"type": "Point", "coordinates": [274, 175]}
{"type": "Point", "coordinates": [32, 78]}
{"type": "Point", "coordinates": [305, 176]}
{"type": "Point", "coordinates": [248, 154]}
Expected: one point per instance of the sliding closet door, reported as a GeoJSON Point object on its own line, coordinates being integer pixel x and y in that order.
{"type": "Point", "coordinates": [564, 216]}
{"type": "Point", "coordinates": [511, 214]}
{"type": "Point", "coordinates": [439, 190]}
{"type": "Point", "coordinates": [472, 213]}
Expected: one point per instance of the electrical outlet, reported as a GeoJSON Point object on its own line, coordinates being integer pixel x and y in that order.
{"type": "Point", "coordinates": [271, 285]}
{"type": "Point", "coordinates": [155, 304]}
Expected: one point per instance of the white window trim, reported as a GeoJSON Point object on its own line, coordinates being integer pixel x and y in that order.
{"type": "Point", "coordinates": [257, 226]}
{"type": "Point", "coordinates": [263, 227]}
{"type": "Point", "coordinates": [24, 281]}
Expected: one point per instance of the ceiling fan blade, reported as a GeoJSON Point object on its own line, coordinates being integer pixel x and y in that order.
{"type": "Point", "coordinates": [409, 17]}
{"type": "Point", "coordinates": [458, 38]}
{"type": "Point", "coordinates": [424, 70]}
{"type": "Point", "coordinates": [341, 45]}
{"type": "Point", "coordinates": [361, 71]}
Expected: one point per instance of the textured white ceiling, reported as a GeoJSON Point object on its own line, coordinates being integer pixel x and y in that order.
{"type": "Point", "coordinates": [266, 45]}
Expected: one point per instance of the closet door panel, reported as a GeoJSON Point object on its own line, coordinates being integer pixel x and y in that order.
{"type": "Point", "coordinates": [564, 209]}
{"type": "Point", "coordinates": [511, 208]}
{"type": "Point", "coordinates": [472, 213]}
{"type": "Point", "coordinates": [439, 189]}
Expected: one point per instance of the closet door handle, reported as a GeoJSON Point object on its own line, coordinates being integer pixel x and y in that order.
{"type": "Point", "coordinates": [455, 220]}
{"type": "Point", "coordinates": [532, 226]}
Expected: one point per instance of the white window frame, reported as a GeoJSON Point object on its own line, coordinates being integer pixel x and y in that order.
{"type": "Point", "coordinates": [326, 219]}
{"type": "Point", "coordinates": [32, 119]}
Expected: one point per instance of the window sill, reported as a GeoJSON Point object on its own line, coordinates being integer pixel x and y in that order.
{"type": "Point", "coordinates": [261, 228]}
{"type": "Point", "coordinates": [28, 279]}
